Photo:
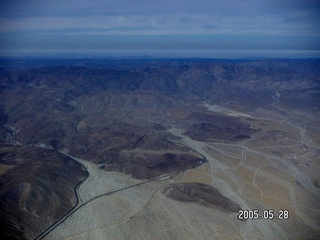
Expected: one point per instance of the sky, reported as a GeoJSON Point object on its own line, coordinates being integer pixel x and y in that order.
{"type": "Point", "coordinates": [167, 27]}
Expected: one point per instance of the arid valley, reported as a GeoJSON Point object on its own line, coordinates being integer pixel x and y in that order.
{"type": "Point", "coordinates": [160, 149]}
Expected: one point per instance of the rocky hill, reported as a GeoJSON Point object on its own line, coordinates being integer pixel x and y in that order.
{"type": "Point", "coordinates": [117, 113]}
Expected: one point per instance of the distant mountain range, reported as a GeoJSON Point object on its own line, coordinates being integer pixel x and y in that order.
{"type": "Point", "coordinates": [116, 113]}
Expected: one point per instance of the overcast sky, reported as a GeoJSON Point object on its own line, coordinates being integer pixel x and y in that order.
{"type": "Point", "coordinates": [168, 25]}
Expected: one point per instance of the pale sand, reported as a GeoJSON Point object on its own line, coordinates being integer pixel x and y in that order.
{"type": "Point", "coordinates": [246, 172]}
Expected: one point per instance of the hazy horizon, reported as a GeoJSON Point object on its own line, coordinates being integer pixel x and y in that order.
{"type": "Point", "coordinates": [209, 29]}
{"type": "Point", "coordinates": [181, 53]}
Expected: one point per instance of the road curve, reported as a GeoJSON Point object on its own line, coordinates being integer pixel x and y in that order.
{"type": "Point", "coordinates": [76, 207]}
{"type": "Point", "coordinates": [50, 228]}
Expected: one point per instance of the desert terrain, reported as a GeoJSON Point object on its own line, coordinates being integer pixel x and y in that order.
{"type": "Point", "coordinates": [160, 149]}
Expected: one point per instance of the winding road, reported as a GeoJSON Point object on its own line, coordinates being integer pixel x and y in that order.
{"type": "Point", "coordinates": [78, 206]}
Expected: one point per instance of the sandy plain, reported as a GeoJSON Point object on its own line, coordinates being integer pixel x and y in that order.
{"type": "Point", "coordinates": [266, 172]}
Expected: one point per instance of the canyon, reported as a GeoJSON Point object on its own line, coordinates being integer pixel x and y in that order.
{"type": "Point", "coordinates": [159, 148]}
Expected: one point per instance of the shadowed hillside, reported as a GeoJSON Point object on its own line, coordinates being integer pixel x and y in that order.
{"type": "Point", "coordinates": [119, 115]}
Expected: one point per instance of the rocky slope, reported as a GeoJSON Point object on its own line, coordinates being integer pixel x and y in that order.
{"type": "Point", "coordinates": [118, 114]}
{"type": "Point", "coordinates": [37, 190]}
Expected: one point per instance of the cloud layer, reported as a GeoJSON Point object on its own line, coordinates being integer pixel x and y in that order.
{"type": "Point", "coordinates": [51, 23]}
